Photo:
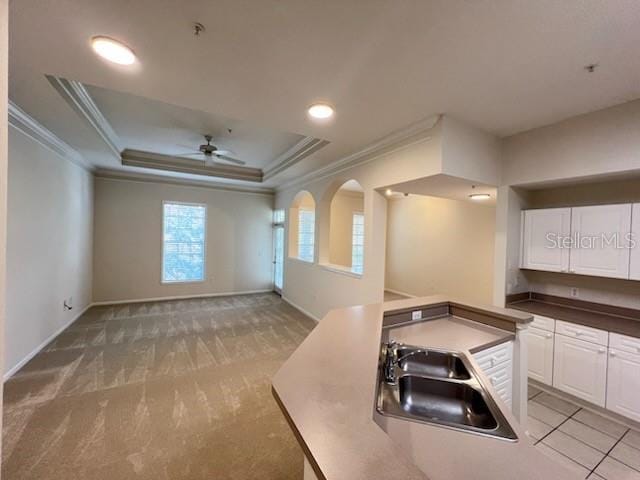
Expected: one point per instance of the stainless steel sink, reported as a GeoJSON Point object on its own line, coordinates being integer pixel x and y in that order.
{"type": "Point", "coordinates": [440, 388]}
{"type": "Point", "coordinates": [434, 364]}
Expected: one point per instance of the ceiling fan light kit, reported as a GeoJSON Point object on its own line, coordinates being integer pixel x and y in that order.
{"type": "Point", "coordinates": [213, 153]}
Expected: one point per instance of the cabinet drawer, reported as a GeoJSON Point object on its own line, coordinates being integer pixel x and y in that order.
{"type": "Point", "coordinates": [499, 374]}
{"type": "Point", "coordinates": [587, 334]}
{"type": "Point", "coordinates": [543, 323]}
{"type": "Point", "coordinates": [624, 343]}
{"type": "Point", "coordinates": [504, 392]}
{"type": "Point", "coordinates": [494, 356]}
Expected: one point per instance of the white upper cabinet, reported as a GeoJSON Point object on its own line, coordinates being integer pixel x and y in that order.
{"type": "Point", "coordinates": [634, 266]}
{"type": "Point", "coordinates": [601, 233]}
{"type": "Point", "coordinates": [540, 228]}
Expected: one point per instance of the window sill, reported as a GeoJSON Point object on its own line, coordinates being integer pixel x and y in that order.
{"type": "Point", "coordinates": [306, 262]}
{"type": "Point", "coordinates": [341, 270]}
{"type": "Point", "coordinates": [180, 282]}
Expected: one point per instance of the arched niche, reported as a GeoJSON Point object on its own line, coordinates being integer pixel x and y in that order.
{"type": "Point", "coordinates": [302, 220]}
{"type": "Point", "coordinates": [346, 227]}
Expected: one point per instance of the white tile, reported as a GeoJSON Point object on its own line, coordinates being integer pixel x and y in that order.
{"type": "Point", "coordinates": [611, 469]}
{"type": "Point", "coordinates": [574, 449]}
{"type": "Point", "coordinates": [588, 435]}
{"type": "Point", "coordinates": [537, 429]}
{"type": "Point", "coordinates": [557, 404]}
{"type": "Point", "coordinates": [545, 414]}
{"type": "Point", "coordinates": [532, 391]}
{"type": "Point", "coordinates": [626, 454]}
{"type": "Point", "coordinates": [601, 424]}
{"type": "Point", "coordinates": [632, 438]}
{"type": "Point", "coordinates": [562, 460]}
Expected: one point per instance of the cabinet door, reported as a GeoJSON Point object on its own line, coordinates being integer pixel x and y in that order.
{"type": "Point", "coordinates": [623, 384]}
{"type": "Point", "coordinates": [592, 228]}
{"type": "Point", "coordinates": [540, 228]}
{"type": "Point", "coordinates": [580, 368]}
{"type": "Point", "coordinates": [540, 362]}
{"type": "Point", "coordinates": [634, 265]}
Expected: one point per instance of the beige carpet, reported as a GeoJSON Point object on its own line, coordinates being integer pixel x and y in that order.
{"type": "Point", "coordinates": [165, 390]}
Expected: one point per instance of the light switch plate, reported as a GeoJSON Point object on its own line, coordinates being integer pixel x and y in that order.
{"type": "Point", "coordinates": [416, 315]}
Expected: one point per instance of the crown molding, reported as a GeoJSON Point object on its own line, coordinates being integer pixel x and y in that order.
{"type": "Point", "coordinates": [77, 96]}
{"type": "Point", "coordinates": [157, 161]}
{"type": "Point", "coordinates": [414, 133]}
{"type": "Point", "coordinates": [120, 175]}
{"type": "Point", "coordinates": [293, 155]}
{"type": "Point", "coordinates": [24, 123]}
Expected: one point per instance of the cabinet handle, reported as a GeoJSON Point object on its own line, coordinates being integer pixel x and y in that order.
{"type": "Point", "coordinates": [602, 350]}
{"type": "Point", "coordinates": [612, 353]}
{"type": "Point", "coordinates": [548, 335]}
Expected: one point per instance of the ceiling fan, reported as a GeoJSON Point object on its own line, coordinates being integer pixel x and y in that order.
{"type": "Point", "coordinates": [213, 153]}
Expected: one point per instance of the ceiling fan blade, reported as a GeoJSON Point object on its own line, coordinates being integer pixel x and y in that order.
{"type": "Point", "coordinates": [189, 154]}
{"type": "Point", "coordinates": [230, 159]}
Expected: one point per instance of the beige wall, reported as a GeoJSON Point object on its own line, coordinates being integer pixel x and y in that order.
{"type": "Point", "coordinates": [316, 288]}
{"type": "Point", "coordinates": [128, 242]}
{"type": "Point", "coordinates": [49, 245]}
{"type": "Point", "coordinates": [343, 206]}
{"type": "Point", "coordinates": [436, 245]}
{"type": "Point", "coordinates": [588, 147]}
{"type": "Point", "coordinates": [4, 55]}
{"type": "Point", "coordinates": [602, 142]}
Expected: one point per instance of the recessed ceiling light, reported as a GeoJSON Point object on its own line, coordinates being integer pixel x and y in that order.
{"type": "Point", "coordinates": [321, 111]}
{"type": "Point", "coordinates": [388, 192]}
{"type": "Point", "coordinates": [479, 196]}
{"type": "Point", "coordinates": [113, 50]}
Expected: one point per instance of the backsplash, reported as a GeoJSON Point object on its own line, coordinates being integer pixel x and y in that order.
{"type": "Point", "coordinates": [610, 291]}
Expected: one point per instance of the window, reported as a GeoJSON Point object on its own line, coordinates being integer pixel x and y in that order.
{"type": "Point", "coordinates": [183, 242]}
{"type": "Point", "coordinates": [357, 243]}
{"type": "Point", "coordinates": [306, 233]}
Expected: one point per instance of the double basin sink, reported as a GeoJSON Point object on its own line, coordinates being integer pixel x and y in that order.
{"type": "Point", "coordinates": [438, 387]}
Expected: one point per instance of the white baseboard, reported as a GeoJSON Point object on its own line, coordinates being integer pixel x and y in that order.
{"type": "Point", "coordinates": [178, 297]}
{"type": "Point", "coordinates": [24, 361]}
{"type": "Point", "coordinates": [398, 292]}
{"type": "Point", "coordinates": [298, 307]}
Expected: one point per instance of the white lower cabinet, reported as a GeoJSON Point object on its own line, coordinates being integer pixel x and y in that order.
{"type": "Point", "coordinates": [623, 389]}
{"type": "Point", "coordinates": [580, 368]}
{"type": "Point", "coordinates": [540, 362]}
{"type": "Point", "coordinates": [497, 364]}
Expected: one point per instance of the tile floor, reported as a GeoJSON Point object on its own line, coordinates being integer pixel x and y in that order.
{"type": "Point", "coordinates": [589, 444]}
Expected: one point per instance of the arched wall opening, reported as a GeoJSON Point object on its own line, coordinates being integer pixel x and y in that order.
{"type": "Point", "coordinates": [345, 226]}
{"type": "Point", "coordinates": [302, 231]}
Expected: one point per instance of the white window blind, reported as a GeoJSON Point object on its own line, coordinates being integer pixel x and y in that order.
{"type": "Point", "coordinates": [306, 234]}
{"type": "Point", "coordinates": [357, 243]}
{"type": "Point", "coordinates": [183, 242]}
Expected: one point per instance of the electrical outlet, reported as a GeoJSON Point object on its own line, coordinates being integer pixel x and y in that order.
{"type": "Point", "coordinates": [416, 315]}
{"type": "Point", "coordinates": [575, 293]}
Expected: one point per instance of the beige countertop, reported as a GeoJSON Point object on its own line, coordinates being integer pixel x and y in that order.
{"type": "Point", "coordinates": [327, 391]}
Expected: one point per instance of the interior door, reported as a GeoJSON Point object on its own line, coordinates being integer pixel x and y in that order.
{"type": "Point", "coordinates": [278, 258]}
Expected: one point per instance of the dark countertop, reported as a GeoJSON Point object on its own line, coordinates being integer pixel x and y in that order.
{"type": "Point", "coordinates": [590, 318]}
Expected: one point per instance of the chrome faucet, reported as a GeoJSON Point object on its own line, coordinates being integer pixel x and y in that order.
{"type": "Point", "coordinates": [391, 360]}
